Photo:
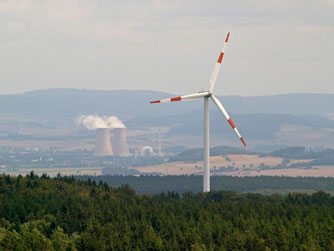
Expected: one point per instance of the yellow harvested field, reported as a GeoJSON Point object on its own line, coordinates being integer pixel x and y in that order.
{"type": "Point", "coordinates": [63, 171]}
{"type": "Point", "coordinates": [299, 161]}
{"type": "Point", "coordinates": [237, 161]}
{"type": "Point", "coordinates": [247, 165]}
{"type": "Point", "coordinates": [318, 171]}
{"type": "Point", "coordinates": [64, 145]}
{"type": "Point", "coordinates": [173, 168]}
{"type": "Point", "coordinates": [255, 160]}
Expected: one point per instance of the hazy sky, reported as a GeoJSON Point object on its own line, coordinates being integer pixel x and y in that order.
{"type": "Point", "coordinates": [167, 45]}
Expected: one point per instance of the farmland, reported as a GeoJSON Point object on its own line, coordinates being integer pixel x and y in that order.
{"type": "Point", "coordinates": [240, 165]}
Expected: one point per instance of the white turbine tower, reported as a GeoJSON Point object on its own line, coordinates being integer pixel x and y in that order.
{"type": "Point", "coordinates": [206, 95]}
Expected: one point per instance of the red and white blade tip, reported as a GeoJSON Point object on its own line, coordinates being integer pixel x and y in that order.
{"type": "Point", "coordinates": [227, 37]}
{"type": "Point", "coordinates": [236, 130]}
{"type": "Point", "coordinates": [182, 98]}
{"type": "Point", "coordinates": [221, 55]}
{"type": "Point", "coordinates": [243, 142]}
{"type": "Point", "coordinates": [166, 100]}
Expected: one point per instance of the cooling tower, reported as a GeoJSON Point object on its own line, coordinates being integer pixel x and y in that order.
{"type": "Point", "coordinates": [120, 143]}
{"type": "Point", "coordinates": [103, 146]}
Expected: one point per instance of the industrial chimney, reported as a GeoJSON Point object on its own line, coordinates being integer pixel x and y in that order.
{"type": "Point", "coordinates": [120, 142]}
{"type": "Point", "coordinates": [103, 146]}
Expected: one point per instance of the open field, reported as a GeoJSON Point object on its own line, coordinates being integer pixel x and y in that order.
{"type": "Point", "coordinates": [237, 161]}
{"type": "Point", "coordinates": [234, 165]}
{"type": "Point", "coordinates": [73, 139]}
{"type": "Point", "coordinates": [317, 171]}
{"type": "Point", "coordinates": [63, 171]}
{"type": "Point", "coordinates": [68, 145]}
{"type": "Point", "coordinates": [243, 165]}
{"type": "Point", "coordinates": [306, 136]}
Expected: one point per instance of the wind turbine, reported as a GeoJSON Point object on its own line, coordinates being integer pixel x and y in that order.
{"type": "Point", "coordinates": [206, 95]}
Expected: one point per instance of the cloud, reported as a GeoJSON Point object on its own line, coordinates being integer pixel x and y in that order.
{"type": "Point", "coordinates": [160, 45]}
{"type": "Point", "coordinates": [15, 7]}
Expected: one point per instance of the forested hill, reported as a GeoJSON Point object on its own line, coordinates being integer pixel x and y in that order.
{"type": "Point", "coordinates": [63, 103]}
{"type": "Point", "coordinates": [40, 213]}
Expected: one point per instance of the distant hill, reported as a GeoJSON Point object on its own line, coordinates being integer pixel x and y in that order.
{"type": "Point", "coordinates": [69, 103]}
{"type": "Point", "coordinates": [293, 104]}
{"type": "Point", "coordinates": [196, 154]}
{"type": "Point", "coordinates": [59, 104]}
{"type": "Point", "coordinates": [252, 126]}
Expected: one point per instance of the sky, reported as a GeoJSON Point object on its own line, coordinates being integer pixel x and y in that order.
{"type": "Point", "coordinates": [275, 46]}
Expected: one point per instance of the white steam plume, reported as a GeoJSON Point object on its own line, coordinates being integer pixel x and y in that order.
{"type": "Point", "coordinates": [93, 122]}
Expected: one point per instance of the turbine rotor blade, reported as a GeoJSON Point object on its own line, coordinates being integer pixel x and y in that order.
{"type": "Point", "coordinates": [228, 118]}
{"type": "Point", "coordinates": [214, 74]}
{"type": "Point", "coordinates": [182, 98]}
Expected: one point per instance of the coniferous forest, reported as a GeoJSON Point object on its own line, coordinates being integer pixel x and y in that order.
{"type": "Point", "coordinates": [62, 213]}
{"type": "Point", "coordinates": [184, 183]}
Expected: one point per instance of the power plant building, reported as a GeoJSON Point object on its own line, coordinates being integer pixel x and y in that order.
{"type": "Point", "coordinates": [146, 151]}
